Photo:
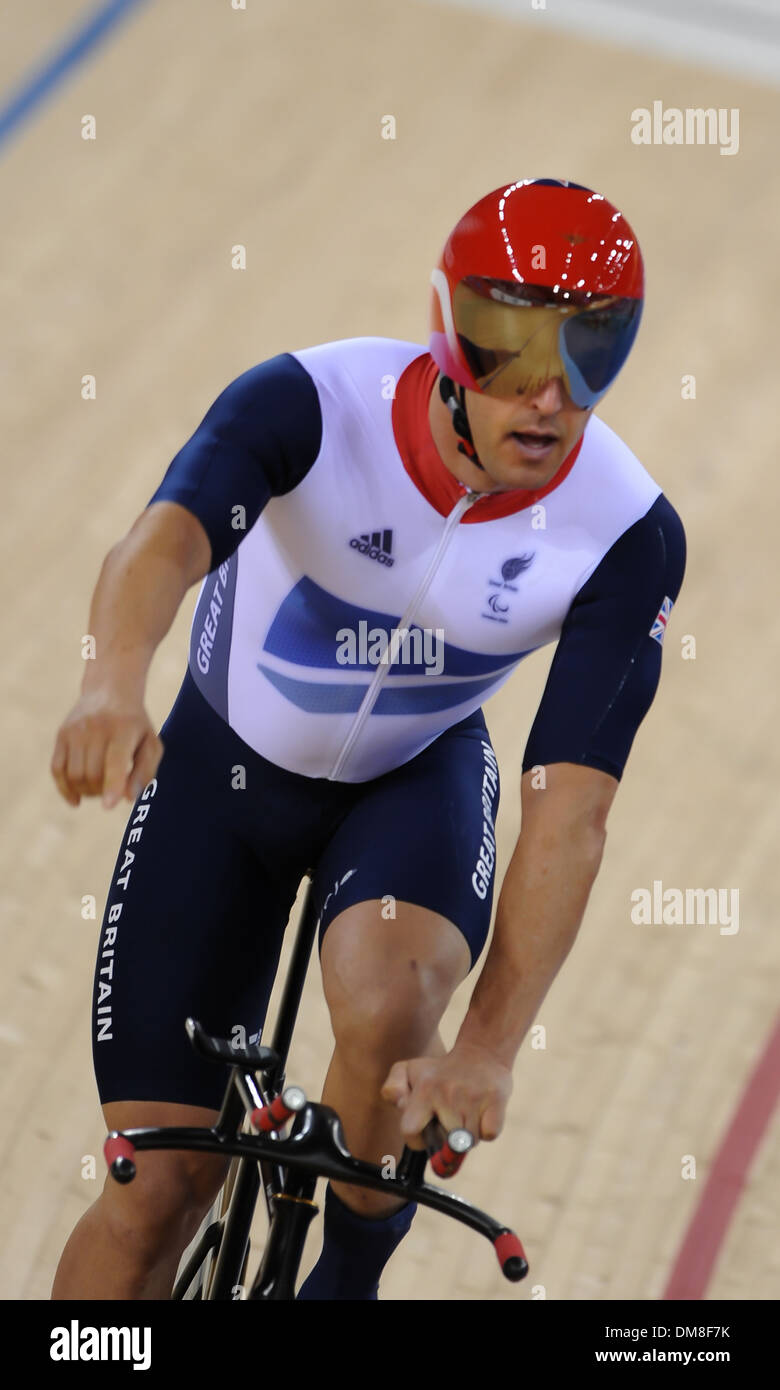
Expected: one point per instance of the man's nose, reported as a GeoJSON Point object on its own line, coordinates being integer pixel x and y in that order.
{"type": "Point", "coordinates": [550, 397]}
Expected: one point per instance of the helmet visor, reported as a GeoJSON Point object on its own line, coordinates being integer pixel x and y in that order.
{"type": "Point", "coordinates": [514, 338]}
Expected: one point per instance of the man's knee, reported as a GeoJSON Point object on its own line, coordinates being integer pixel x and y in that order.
{"type": "Point", "coordinates": [171, 1191]}
{"type": "Point", "coordinates": [387, 983]}
{"type": "Point", "coordinates": [381, 1026]}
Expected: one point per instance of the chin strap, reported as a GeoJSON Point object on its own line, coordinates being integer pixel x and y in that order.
{"type": "Point", "coordinates": [460, 420]}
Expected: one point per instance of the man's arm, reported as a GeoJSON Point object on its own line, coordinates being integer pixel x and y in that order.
{"type": "Point", "coordinates": [540, 908]}
{"type": "Point", "coordinates": [107, 744]}
{"type": "Point", "coordinates": [601, 684]}
{"type": "Point", "coordinates": [257, 440]}
{"type": "Point", "coordinates": [541, 904]}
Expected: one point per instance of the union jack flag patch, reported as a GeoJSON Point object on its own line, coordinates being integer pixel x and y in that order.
{"type": "Point", "coordinates": [659, 626]}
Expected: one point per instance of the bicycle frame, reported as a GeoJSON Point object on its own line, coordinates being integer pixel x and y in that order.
{"type": "Point", "coordinates": [286, 1167]}
{"type": "Point", "coordinates": [228, 1235]}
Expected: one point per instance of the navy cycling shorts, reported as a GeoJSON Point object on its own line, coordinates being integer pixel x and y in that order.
{"type": "Point", "coordinates": [211, 862]}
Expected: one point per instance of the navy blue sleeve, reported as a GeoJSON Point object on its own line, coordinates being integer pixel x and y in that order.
{"type": "Point", "coordinates": [607, 665]}
{"type": "Point", "coordinates": [258, 440]}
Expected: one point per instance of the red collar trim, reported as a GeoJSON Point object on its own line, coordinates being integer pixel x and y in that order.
{"type": "Point", "coordinates": [422, 460]}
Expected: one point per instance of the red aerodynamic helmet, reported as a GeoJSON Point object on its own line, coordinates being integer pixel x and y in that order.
{"type": "Point", "coordinates": [539, 279]}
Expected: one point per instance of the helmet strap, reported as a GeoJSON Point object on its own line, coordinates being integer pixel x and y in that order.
{"type": "Point", "coordinates": [460, 419]}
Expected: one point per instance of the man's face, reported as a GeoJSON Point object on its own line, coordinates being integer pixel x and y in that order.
{"type": "Point", "coordinates": [522, 440]}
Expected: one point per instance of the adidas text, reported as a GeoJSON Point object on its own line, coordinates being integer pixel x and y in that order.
{"type": "Point", "coordinates": [376, 545]}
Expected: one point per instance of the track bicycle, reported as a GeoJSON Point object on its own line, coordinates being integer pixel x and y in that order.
{"type": "Point", "coordinates": [257, 1108]}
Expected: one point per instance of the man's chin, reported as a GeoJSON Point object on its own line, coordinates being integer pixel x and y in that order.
{"type": "Point", "coordinates": [522, 473]}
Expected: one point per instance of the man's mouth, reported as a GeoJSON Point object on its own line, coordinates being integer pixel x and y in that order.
{"type": "Point", "coordinates": [533, 443]}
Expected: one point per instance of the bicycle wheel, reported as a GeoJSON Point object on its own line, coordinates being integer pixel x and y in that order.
{"type": "Point", "coordinates": [198, 1264]}
{"type": "Point", "coordinates": [218, 1269]}
{"type": "Point", "coordinates": [199, 1254]}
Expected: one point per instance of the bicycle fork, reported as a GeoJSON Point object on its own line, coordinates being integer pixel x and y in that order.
{"type": "Point", "coordinates": [293, 1210]}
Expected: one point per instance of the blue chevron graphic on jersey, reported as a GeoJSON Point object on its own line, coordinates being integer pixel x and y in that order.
{"type": "Point", "coordinates": [320, 697]}
{"type": "Point", "coordinates": [305, 633]}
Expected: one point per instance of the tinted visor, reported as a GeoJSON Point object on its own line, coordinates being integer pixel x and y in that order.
{"type": "Point", "coordinates": [516, 337]}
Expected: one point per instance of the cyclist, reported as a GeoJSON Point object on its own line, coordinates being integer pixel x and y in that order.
{"type": "Point", "coordinates": [382, 534]}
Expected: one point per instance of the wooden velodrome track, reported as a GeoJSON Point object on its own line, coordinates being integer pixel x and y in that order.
{"type": "Point", "coordinates": [263, 127]}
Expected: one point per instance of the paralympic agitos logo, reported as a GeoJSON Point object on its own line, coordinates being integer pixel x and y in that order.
{"type": "Point", "coordinates": [510, 570]}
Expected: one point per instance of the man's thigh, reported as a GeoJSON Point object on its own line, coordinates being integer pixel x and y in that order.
{"type": "Point", "coordinates": [391, 978]}
{"type": "Point", "coordinates": [410, 870]}
{"type": "Point", "coordinates": [194, 919]}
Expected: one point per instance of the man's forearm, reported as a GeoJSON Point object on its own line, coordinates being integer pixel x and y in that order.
{"type": "Point", "coordinates": [540, 908]}
{"type": "Point", "coordinates": [139, 591]}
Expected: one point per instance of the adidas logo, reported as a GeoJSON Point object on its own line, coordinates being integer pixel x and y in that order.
{"type": "Point", "coordinates": [377, 545]}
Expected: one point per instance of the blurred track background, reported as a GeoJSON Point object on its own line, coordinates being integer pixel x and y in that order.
{"type": "Point", "coordinates": [263, 126]}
